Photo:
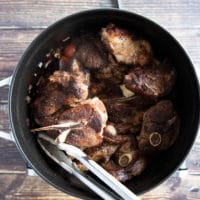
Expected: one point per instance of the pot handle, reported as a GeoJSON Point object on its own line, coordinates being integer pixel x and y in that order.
{"type": "Point", "coordinates": [6, 81]}
{"type": "Point", "coordinates": [9, 136]}
{"type": "Point", "coordinates": [119, 4]}
{"type": "Point", "coordinates": [4, 135]}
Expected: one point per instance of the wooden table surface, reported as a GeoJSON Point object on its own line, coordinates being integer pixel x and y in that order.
{"type": "Point", "coordinates": [22, 20]}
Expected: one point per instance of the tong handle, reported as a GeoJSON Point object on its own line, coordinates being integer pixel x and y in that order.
{"type": "Point", "coordinates": [91, 183]}
{"type": "Point", "coordinates": [108, 179]}
{"type": "Point", "coordinates": [49, 146]}
{"type": "Point", "coordinates": [97, 170]}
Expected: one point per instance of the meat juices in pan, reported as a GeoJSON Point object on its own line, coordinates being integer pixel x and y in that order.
{"type": "Point", "coordinates": [112, 84]}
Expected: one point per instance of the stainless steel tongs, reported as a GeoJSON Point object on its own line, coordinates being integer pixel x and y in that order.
{"type": "Point", "coordinates": [55, 152]}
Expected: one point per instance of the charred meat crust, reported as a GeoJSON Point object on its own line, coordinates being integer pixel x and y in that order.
{"type": "Point", "coordinates": [102, 153]}
{"type": "Point", "coordinates": [160, 120]}
{"type": "Point", "coordinates": [93, 114]}
{"type": "Point", "coordinates": [126, 48]}
{"type": "Point", "coordinates": [150, 81]}
{"type": "Point", "coordinates": [91, 53]}
{"type": "Point", "coordinates": [83, 112]}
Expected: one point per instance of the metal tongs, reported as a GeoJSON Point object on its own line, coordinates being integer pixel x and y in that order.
{"type": "Point", "coordinates": [55, 152]}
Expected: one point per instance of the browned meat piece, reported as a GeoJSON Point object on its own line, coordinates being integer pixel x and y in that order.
{"type": "Point", "coordinates": [60, 77]}
{"type": "Point", "coordinates": [75, 83]}
{"type": "Point", "coordinates": [127, 152]}
{"type": "Point", "coordinates": [127, 160]}
{"type": "Point", "coordinates": [112, 72]}
{"type": "Point", "coordinates": [93, 113]}
{"type": "Point", "coordinates": [124, 116]}
{"type": "Point", "coordinates": [123, 174]}
{"type": "Point", "coordinates": [160, 127]}
{"type": "Point", "coordinates": [152, 82]}
{"type": "Point", "coordinates": [137, 119]}
{"type": "Point", "coordinates": [83, 137]}
{"type": "Point", "coordinates": [44, 120]}
{"type": "Point", "coordinates": [118, 172]}
{"type": "Point", "coordinates": [97, 87]}
{"type": "Point", "coordinates": [62, 89]}
{"type": "Point", "coordinates": [110, 135]}
{"type": "Point", "coordinates": [121, 115]}
{"type": "Point", "coordinates": [50, 101]}
{"type": "Point", "coordinates": [91, 53]}
{"type": "Point", "coordinates": [117, 139]}
{"type": "Point", "coordinates": [137, 167]}
{"type": "Point", "coordinates": [104, 90]}
{"type": "Point", "coordinates": [101, 153]}
{"type": "Point", "coordinates": [117, 111]}
{"type": "Point", "coordinates": [125, 47]}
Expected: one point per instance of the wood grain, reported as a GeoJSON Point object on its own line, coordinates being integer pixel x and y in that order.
{"type": "Point", "coordinates": [194, 158]}
{"type": "Point", "coordinates": [36, 14]}
{"type": "Point", "coordinates": [22, 187]}
{"type": "Point", "coordinates": [19, 187]}
{"type": "Point", "coordinates": [175, 188]}
{"type": "Point", "coordinates": [11, 160]}
{"type": "Point", "coordinates": [27, 14]}
{"type": "Point", "coordinates": [168, 13]}
{"type": "Point", "coordinates": [12, 48]}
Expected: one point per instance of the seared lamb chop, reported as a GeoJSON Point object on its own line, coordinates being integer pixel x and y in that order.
{"type": "Point", "coordinates": [128, 161]}
{"type": "Point", "coordinates": [104, 90]}
{"type": "Point", "coordinates": [160, 127]}
{"type": "Point", "coordinates": [93, 114]}
{"type": "Point", "coordinates": [123, 174]}
{"type": "Point", "coordinates": [127, 153]}
{"type": "Point", "coordinates": [75, 83]}
{"type": "Point", "coordinates": [101, 153]}
{"type": "Point", "coordinates": [49, 102]}
{"type": "Point", "coordinates": [125, 116]}
{"type": "Point", "coordinates": [62, 89]}
{"type": "Point", "coordinates": [150, 81]}
{"type": "Point", "coordinates": [125, 48]}
{"type": "Point", "coordinates": [91, 53]}
{"type": "Point", "coordinates": [113, 73]}
{"type": "Point", "coordinates": [121, 115]}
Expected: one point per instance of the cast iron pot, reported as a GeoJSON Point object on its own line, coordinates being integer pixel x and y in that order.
{"type": "Point", "coordinates": [186, 97]}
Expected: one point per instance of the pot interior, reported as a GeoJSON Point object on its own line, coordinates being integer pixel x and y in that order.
{"type": "Point", "coordinates": [185, 97]}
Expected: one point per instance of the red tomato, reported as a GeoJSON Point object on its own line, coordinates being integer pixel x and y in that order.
{"type": "Point", "coordinates": [69, 50]}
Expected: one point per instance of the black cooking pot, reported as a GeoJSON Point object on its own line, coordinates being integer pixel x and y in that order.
{"type": "Point", "coordinates": [186, 96]}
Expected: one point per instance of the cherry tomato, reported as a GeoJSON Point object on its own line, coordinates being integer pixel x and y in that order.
{"type": "Point", "coordinates": [69, 50]}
